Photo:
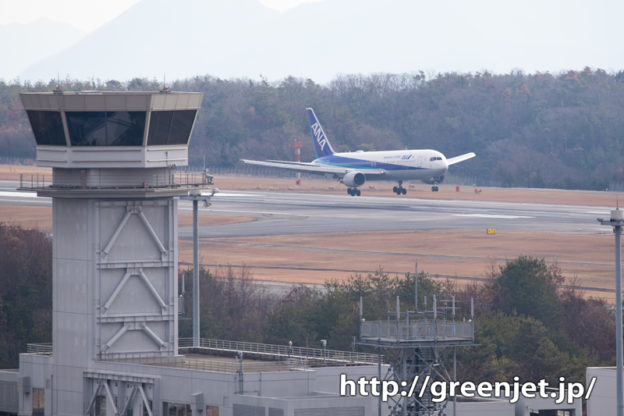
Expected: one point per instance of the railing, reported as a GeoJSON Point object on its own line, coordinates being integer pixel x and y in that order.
{"type": "Point", "coordinates": [173, 180]}
{"type": "Point", "coordinates": [39, 348]}
{"type": "Point", "coordinates": [215, 364]}
{"type": "Point", "coordinates": [415, 331]}
{"type": "Point", "coordinates": [302, 354]}
{"type": "Point", "coordinates": [34, 181]}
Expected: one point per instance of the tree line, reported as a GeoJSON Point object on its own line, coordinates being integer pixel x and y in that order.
{"type": "Point", "coordinates": [525, 324]}
{"type": "Point", "coordinates": [538, 130]}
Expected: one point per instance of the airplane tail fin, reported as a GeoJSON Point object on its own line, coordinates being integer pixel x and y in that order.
{"type": "Point", "coordinates": [322, 147]}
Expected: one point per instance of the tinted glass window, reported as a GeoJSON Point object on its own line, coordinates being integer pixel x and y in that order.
{"type": "Point", "coordinates": [106, 128]}
{"type": "Point", "coordinates": [170, 127]}
{"type": "Point", "coordinates": [47, 127]}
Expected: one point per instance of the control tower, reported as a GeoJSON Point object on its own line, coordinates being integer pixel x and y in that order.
{"type": "Point", "coordinates": [113, 190]}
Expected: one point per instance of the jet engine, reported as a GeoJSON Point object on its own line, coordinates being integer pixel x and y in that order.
{"type": "Point", "coordinates": [434, 180]}
{"type": "Point", "coordinates": [354, 178]}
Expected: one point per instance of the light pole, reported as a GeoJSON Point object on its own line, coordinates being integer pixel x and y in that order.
{"type": "Point", "coordinates": [617, 221]}
{"type": "Point", "coordinates": [196, 196]}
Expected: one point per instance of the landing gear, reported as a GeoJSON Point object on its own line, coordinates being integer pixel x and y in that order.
{"type": "Point", "coordinates": [399, 190]}
{"type": "Point", "coordinates": [353, 191]}
{"type": "Point", "coordinates": [435, 188]}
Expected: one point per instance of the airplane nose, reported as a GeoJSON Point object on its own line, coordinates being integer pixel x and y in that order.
{"type": "Point", "coordinates": [444, 164]}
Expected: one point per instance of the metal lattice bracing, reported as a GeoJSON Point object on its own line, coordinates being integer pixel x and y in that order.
{"type": "Point", "coordinates": [121, 393]}
{"type": "Point", "coordinates": [412, 344]}
{"type": "Point", "coordinates": [136, 300]}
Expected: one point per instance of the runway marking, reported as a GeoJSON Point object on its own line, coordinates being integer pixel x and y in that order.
{"type": "Point", "coordinates": [220, 194]}
{"type": "Point", "coordinates": [495, 216]}
{"type": "Point", "coordinates": [19, 194]}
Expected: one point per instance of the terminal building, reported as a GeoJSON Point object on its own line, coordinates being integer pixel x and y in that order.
{"type": "Point", "coordinates": [115, 348]}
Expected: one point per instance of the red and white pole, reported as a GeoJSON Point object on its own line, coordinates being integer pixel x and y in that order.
{"type": "Point", "coordinates": [298, 145]}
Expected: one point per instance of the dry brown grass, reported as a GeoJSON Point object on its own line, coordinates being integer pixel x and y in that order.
{"type": "Point", "coordinates": [38, 218]}
{"type": "Point", "coordinates": [302, 258]}
{"type": "Point", "coordinates": [453, 253]}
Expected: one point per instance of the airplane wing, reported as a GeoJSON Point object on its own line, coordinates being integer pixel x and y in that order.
{"type": "Point", "coordinates": [311, 167]}
{"type": "Point", "coordinates": [460, 158]}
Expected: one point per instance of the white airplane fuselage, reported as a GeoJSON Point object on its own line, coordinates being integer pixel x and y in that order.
{"type": "Point", "coordinates": [422, 164]}
{"type": "Point", "coordinates": [354, 169]}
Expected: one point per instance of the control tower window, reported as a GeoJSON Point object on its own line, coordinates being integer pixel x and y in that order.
{"type": "Point", "coordinates": [106, 128]}
{"type": "Point", "coordinates": [47, 127]}
{"type": "Point", "coordinates": [170, 127]}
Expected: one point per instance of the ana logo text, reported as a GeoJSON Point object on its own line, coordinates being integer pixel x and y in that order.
{"type": "Point", "coordinates": [319, 136]}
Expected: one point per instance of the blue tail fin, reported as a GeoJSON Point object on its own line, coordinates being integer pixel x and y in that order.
{"type": "Point", "coordinates": [322, 147]}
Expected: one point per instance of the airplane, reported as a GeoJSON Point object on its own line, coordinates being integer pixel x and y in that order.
{"type": "Point", "coordinates": [354, 169]}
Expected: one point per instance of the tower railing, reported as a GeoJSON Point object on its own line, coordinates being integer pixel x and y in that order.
{"type": "Point", "coordinates": [402, 331]}
{"type": "Point", "coordinates": [37, 182]}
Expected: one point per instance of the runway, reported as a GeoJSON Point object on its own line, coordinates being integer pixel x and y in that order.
{"type": "Point", "coordinates": [275, 216]}
{"type": "Point", "coordinates": [296, 213]}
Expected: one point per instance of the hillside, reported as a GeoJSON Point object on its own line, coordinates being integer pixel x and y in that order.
{"type": "Point", "coordinates": [536, 130]}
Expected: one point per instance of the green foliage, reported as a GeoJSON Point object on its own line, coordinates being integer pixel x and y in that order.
{"type": "Point", "coordinates": [515, 346]}
{"type": "Point", "coordinates": [537, 130]}
{"type": "Point", "coordinates": [527, 286]}
{"type": "Point", "coordinates": [25, 291]}
{"type": "Point", "coordinates": [533, 329]}
{"type": "Point", "coordinates": [231, 306]}
{"type": "Point", "coordinates": [525, 325]}
{"type": "Point", "coordinates": [306, 316]}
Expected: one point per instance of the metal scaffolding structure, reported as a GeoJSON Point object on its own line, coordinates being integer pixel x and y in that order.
{"type": "Point", "coordinates": [412, 343]}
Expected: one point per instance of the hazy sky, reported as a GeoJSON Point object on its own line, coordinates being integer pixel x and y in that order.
{"type": "Point", "coordinates": [433, 36]}
{"type": "Point", "coordinates": [86, 15]}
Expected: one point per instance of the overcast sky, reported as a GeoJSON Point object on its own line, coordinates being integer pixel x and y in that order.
{"type": "Point", "coordinates": [434, 36]}
{"type": "Point", "coordinates": [86, 15]}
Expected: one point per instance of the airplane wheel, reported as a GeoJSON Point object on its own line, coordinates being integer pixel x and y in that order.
{"type": "Point", "coordinates": [349, 191]}
{"type": "Point", "coordinates": [434, 188]}
{"type": "Point", "coordinates": [357, 192]}
{"type": "Point", "coordinates": [395, 190]}
{"type": "Point", "coordinates": [403, 191]}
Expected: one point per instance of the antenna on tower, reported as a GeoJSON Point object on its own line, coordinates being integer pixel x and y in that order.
{"type": "Point", "coordinates": [57, 87]}
{"type": "Point", "coordinates": [165, 88]}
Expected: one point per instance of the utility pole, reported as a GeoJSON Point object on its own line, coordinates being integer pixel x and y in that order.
{"type": "Point", "coordinates": [617, 221]}
{"type": "Point", "coordinates": [196, 196]}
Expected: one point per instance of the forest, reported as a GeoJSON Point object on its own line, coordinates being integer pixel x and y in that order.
{"type": "Point", "coordinates": [522, 313]}
{"type": "Point", "coordinates": [529, 130]}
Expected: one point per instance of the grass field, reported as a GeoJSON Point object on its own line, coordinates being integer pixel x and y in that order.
{"type": "Point", "coordinates": [314, 258]}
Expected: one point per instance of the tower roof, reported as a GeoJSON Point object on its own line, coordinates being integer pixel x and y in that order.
{"type": "Point", "coordinates": [83, 129]}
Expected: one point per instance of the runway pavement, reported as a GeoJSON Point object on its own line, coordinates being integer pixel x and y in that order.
{"type": "Point", "coordinates": [297, 213]}
{"type": "Point", "coordinates": [300, 213]}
